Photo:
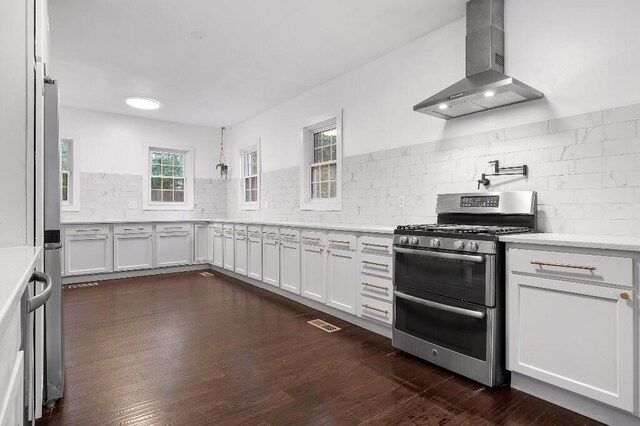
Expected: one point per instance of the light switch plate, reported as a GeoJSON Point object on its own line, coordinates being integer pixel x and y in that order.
{"type": "Point", "coordinates": [133, 205]}
{"type": "Point", "coordinates": [401, 200]}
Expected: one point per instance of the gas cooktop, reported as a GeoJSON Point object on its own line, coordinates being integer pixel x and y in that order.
{"type": "Point", "coordinates": [464, 229]}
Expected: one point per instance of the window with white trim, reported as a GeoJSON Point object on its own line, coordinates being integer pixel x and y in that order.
{"type": "Point", "coordinates": [321, 171]}
{"type": "Point", "coordinates": [66, 170]}
{"type": "Point", "coordinates": [169, 179]}
{"type": "Point", "coordinates": [250, 178]}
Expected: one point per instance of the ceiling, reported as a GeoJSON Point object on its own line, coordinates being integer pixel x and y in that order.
{"type": "Point", "coordinates": [215, 62]}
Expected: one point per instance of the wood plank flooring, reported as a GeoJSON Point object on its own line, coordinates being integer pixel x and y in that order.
{"type": "Point", "coordinates": [187, 349]}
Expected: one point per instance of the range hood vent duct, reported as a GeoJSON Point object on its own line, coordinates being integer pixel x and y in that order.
{"type": "Point", "coordinates": [486, 85]}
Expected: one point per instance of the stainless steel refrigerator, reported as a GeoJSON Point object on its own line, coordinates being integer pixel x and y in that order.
{"type": "Point", "coordinates": [53, 323]}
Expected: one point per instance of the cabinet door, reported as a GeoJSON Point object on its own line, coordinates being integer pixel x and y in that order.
{"type": "Point", "coordinates": [342, 273]}
{"type": "Point", "coordinates": [313, 272]}
{"type": "Point", "coordinates": [255, 258]}
{"type": "Point", "coordinates": [290, 267]}
{"type": "Point", "coordinates": [576, 336]}
{"type": "Point", "coordinates": [218, 249]}
{"type": "Point", "coordinates": [132, 251]}
{"type": "Point", "coordinates": [271, 262]}
{"type": "Point", "coordinates": [173, 248]}
{"type": "Point", "coordinates": [229, 252]}
{"type": "Point", "coordinates": [12, 405]}
{"type": "Point", "coordinates": [201, 243]}
{"type": "Point", "coordinates": [87, 254]}
{"type": "Point", "coordinates": [241, 255]}
{"type": "Point", "coordinates": [210, 233]}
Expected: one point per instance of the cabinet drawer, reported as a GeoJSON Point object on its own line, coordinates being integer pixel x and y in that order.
{"type": "Point", "coordinates": [241, 230]}
{"type": "Point", "coordinates": [173, 227]}
{"type": "Point", "coordinates": [291, 235]}
{"type": "Point", "coordinates": [378, 245]}
{"type": "Point", "coordinates": [377, 265]}
{"type": "Point", "coordinates": [270, 233]}
{"type": "Point", "coordinates": [313, 238]}
{"type": "Point", "coordinates": [217, 227]}
{"type": "Point", "coordinates": [228, 229]}
{"type": "Point", "coordinates": [376, 287]}
{"type": "Point", "coordinates": [342, 241]}
{"type": "Point", "coordinates": [375, 309]}
{"type": "Point", "coordinates": [577, 266]}
{"type": "Point", "coordinates": [132, 228]}
{"type": "Point", "coordinates": [255, 232]}
{"type": "Point", "coordinates": [86, 229]}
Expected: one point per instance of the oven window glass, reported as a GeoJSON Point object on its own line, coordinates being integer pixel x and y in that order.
{"type": "Point", "coordinates": [454, 331]}
{"type": "Point", "coordinates": [452, 278]}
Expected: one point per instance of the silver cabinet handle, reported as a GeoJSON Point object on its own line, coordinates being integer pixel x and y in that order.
{"type": "Point", "coordinates": [133, 229]}
{"type": "Point", "coordinates": [563, 265]}
{"type": "Point", "coordinates": [442, 307]}
{"type": "Point", "coordinates": [383, 246]}
{"type": "Point", "coordinates": [288, 235]}
{"type": "Point", "coordinates": [88, 230]}
{"type": "Point", "coordinates": [381, 265]}
{"type": "Point", "coordinates": [340, 242]}
{"type": "Point", "coordinates": [441, 255]}
{"type": "Point", "coordinates": [41, 298]}
{"type": "Point", "coordinates": [372, 308]}
{"type": "Point", "coordinates": [379, 287]}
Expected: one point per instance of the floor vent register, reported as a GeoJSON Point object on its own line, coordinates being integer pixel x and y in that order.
{"type": "Point", "coordinates": [323, 325]}
{"type": "Point", "coordinates": [206, 274]}
{"type": "Point", "coordinates": [83, 285]}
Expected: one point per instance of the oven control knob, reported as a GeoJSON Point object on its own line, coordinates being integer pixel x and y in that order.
{"type": "Point", "coordinates": [473, 246]}
{"type": "Point", "coordinates": [458, 245]}
{"type": "Point", "coordinates": [415, 241]}
{"type": "Point", "coordinates": [404, 240]}
{"type": "Point", "coordinates": [435, 243]}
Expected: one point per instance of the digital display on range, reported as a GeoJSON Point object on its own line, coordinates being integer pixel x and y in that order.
{"type": "Point", "coordinates": [480, 201]}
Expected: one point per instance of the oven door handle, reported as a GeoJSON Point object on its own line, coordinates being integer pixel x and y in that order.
{"type": "Point", "coordinates": [442, 307]}
{"type": "Point", "coordinates": [441, 255]}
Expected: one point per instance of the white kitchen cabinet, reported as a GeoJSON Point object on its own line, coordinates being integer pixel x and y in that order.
{"type": "Point", "coordinates": [12, 408]}
{"type": "Point", "coordinates": [88, 253]}
{"type": "Point", "coordinates": [290, 260]}
{"type": "Point", "coordinates": [254, 269]}
{"type": "Point", "coordinates": [173, 244]}
{"type": "Point", "coordinates": [341, 282]}
{"type": "Point", "coordinates": [218, 246]}
{"type": "Point", "coordinates": [201, 243]}
{"type": "Point", "coordinates": [229, 247]}
{"type": "Point", "coordinates": [242, 250]}
{"type": "Point", "coordinates": [210, 234]}
{"type": "Point", "coordinates": [313, 264]}
{"type": "Point", "coordinates": [132, 251]}
{"type": "Point", "coordinates": [271, 256]}
{"type": "Point", "coordinates": [573, 335]}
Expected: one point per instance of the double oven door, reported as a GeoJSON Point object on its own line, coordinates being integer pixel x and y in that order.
{"type": "Point", "coordinates": [445, 311]}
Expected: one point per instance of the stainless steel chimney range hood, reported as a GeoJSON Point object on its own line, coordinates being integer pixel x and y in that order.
{"type": "Point", "coordinates": [485, 86]}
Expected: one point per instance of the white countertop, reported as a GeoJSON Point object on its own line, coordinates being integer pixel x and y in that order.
{"type": "Point", "coordinates": [310, 225]}
{"type": "Point", "coordinates": [605, 242]}
{"type": "Point", "coordinates": [16, 265]}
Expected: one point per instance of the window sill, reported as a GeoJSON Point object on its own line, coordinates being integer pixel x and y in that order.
{"type": "Point", "coordinates": [321, 205]}
{"type": "Point", "coordinates": [69, 208]}
{"type": "Point", "coordinates": [167, 207]}
{"type": "Point", "coordinates": [249, 207]}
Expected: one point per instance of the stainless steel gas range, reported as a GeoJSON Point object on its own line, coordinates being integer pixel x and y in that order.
{"type": "Point", "coordinates": [449, 281]}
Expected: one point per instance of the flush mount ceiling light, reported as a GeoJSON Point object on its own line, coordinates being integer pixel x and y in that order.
{"type": "Point", "coordinates": [443, 106]}
{"type": "Point", "coordinates": [143, 103]}
{"type": "Point", "coordinates": [489, 93]}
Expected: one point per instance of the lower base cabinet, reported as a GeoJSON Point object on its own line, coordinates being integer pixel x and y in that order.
{"type": "Point", "coordinates": [313, 274]}
{"type": "Point", "coordinates": [201, 243]}
{"type": "Point", "coordinates": [271, 261]}
{"type": "Point", "coordinates": [576, 336]}
{"type": "Point", "coordinates": [342, 273]}
{"type": "Point", "coordinates": [12, 407]}
{"type": "Point", "coordinates": [88, 254]}
{"type": "Point", "coordinates": [290, 266]}
{"type": "Point", "coordinates": [218, 247]}
{"type": "Point", "coordinates": [254, 269]}
{"type": "Point", "coordinates": [132, 251]}
{"type": "Point", "coordinates": [173, 248]}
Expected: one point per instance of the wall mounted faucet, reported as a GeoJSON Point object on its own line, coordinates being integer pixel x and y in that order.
{"type": "Point", "coordinates": [502, 171]}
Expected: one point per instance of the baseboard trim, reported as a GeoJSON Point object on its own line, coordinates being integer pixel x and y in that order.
{"type": "Point", "coordinates": [132, 274]}
{"type": "Point", "coordinates": [381, 329]}
{"type": "Point", "coordinates": [572, 401]}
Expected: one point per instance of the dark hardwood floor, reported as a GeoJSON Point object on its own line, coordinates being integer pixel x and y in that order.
{"type": "Point", "coordinates": [185, 349]}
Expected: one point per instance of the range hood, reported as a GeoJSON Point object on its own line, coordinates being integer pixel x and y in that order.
{"type": "Point", "coordinates": [486, 86]}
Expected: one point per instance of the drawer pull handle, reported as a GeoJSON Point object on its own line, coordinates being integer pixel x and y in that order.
{"type": "Point", "coordinates": [624, 296]}
{"type": "Point", "coordinates": [380, 287]}
{"type": "Point", "coordinates": [340, 242]}
{"type": "Point", "coordinates": [134, 229]}
{"type": "Point", "coordinates": [383, 311]}
{"type": "Point", "coordinates": [88, 230]}
{"type": "Point", "coordinates": [288, 235]}
{"type": "Point", "coordinates": [381, 265]}
{"type": "Point", "coordinates": [310, 238]}
{"type": "Point", "coordinates": [386, 247]}
{"type": "Point", "coordinates": [563, 265]}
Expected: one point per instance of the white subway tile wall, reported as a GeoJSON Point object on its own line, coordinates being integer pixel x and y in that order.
{"type": "Point", "coordinates": [586, 169]}
{"type": "Point", "coordinates": [119, 197]}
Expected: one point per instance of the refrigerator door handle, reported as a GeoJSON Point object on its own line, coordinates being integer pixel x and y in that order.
{"type": "Point", "coordinates": [40, 299]}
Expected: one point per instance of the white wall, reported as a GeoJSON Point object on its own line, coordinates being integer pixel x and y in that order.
{"type": "Point", "coordinates": [113, 143]}
{"type": "Point", "coordinates": [583, 54]}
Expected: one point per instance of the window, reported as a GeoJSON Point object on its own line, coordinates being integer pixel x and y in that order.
{"type": "Point", "coordinates": [169, 179]}
{"type": "Point", "coordinates": [69, 185]}
{"type": "Point", "coordinates": [250, 180]}
{"type": "Point", "coordinates": [321, 171]}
